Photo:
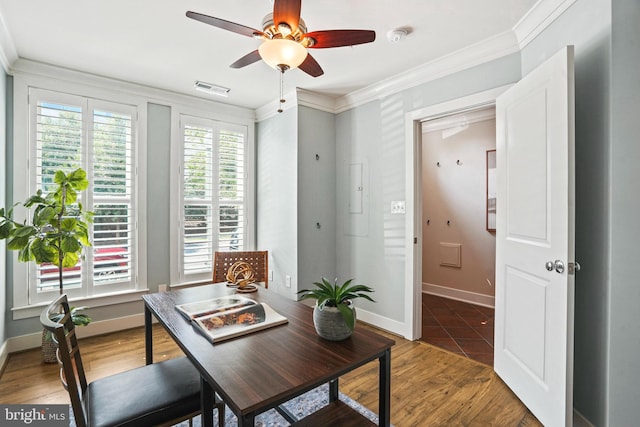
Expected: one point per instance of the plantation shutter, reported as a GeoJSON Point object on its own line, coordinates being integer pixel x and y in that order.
{"type": "Point", "coordinates": [73, 132]}
{"type": "Point", "coordinates": [59, 145]}
{"type": "Point", "coordinates": [198, 206]}
{"type": "Point", "coordinates": [112, 178]}
{"type": "Point", "coordinates": [214, 196]}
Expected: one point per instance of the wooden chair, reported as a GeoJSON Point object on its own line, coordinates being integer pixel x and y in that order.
{"type": "Point", "coordinates": [162, 393]}
{"type": "Point", "coordinates": [258, 260]}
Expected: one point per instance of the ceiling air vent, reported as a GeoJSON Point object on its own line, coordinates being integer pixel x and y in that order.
{"type": "Point", "coordinates": [212, 89]}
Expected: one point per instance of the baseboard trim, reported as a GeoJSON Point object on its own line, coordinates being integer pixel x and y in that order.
{"type": "Point", "coordinates": [458, 294]}
{"type": "Point", "coordinates": [101, 327]}
{"type": "Point", "coordinates": [4, 355]}
{"type": "Point", "coordinates": [381, 322]}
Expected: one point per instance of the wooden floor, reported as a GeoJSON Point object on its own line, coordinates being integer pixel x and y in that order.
{"type": "Point", "coordinates": [429, 386]}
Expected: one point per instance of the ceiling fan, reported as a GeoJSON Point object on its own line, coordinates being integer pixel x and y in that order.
{"type": "Point", "coordinates": [286, 39]}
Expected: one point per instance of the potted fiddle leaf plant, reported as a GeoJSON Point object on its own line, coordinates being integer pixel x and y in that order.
{"type": "Point", "coordinates": [334, 315]}
{"type": "Point", "coordinates": [57, 234]}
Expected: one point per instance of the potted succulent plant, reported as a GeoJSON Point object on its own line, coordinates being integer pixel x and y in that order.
{"type": "Point", "coordinates": [334, 315]}
{"type": "Point", "coordinates": [58, 232]}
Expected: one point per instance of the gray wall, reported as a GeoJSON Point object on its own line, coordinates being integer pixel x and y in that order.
{"type": "Point", "coordinates": [316, 196]}
{"type": "Point", "coordinates": [277, 185]}
{"type": "Point", "coordinates": [587, 26]}
{"type": "Point", "coordinates": [158, 185]}
{"type": "Point", "coordinates": [624, 335]}
{"type": "Point", "coordinates": [372, 248]}
{"type": "Point", "coordinates": [3, 174]}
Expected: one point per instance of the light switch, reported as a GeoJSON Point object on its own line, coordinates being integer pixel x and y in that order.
{"type": "Point", "coordinates": [397, 207]}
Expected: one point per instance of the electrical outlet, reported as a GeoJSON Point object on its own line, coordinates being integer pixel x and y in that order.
{"type": "Point", "coordinates": [162, 288]}
{"type": "Point", "coordinates": [271, 275]}
{"type": "Point", "coordinates": [287, 281]}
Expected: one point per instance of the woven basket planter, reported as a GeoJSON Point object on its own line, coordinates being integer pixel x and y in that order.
{"type": "Point", "coordinates": [330, 324]}
{"type": "Point", "coordinates": [48, 348]}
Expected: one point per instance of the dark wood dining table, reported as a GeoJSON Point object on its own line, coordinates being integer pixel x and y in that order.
{"type": "Point", "coordinates": [261, 370]}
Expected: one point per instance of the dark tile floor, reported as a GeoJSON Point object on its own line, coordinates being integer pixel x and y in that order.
{"type": "Point", "coordinates": [459, 327]}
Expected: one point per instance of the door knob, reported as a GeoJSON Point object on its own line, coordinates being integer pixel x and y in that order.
{"type": "Point", "coordinates": [557, 265]}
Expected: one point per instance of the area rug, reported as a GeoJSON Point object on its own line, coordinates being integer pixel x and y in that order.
{"type": "Point", "coordinates": [300, 407]}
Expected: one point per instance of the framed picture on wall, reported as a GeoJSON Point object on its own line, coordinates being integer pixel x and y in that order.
{"type": "Point", "coordinates": [491, 190]}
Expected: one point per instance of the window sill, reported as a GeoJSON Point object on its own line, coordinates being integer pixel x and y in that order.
{"type": "Point", "coordinates": [30, 311]}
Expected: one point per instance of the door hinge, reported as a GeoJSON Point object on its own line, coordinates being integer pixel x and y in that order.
{"type": "Point", "coordinates": [415, 240]}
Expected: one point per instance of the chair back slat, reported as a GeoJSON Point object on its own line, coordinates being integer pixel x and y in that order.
{"type": "Point", "coordinates": [258, 260]}
{"type": "Point", "coordinates": [72, 373]}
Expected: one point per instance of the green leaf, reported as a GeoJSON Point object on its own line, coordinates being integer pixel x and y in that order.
{"type": "Point", "coordinates": [36, 199]}
{"type": "Point", "coordinates": [25, 231]}
{"type": "Point", "coordinates": [68, 224]}
{"type": "Point", "coordinates": [42, 252]}
{"type": "Point", "coordinates": [44, 215]}
{"type": "Point", "coordinates": [59, 177]}
{"type": "Point", "coordinates": [70, 260]}
{"type": "Point", "coordinates": [70, 244]}
{"type": "Point", "coordinates": [5, 229]}
{"type": "Point", "coordinates": [17, 243]}
{"type": "Point", "coordinates": [72, 196]}
{"type": "Point", "coordinates": [78, 178]}
{"type": "Point", "coordinates": [25, 254]}
{"type": "Point", "coordinates": [348, 316]}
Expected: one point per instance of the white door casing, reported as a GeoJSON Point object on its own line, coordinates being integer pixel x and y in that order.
{"type": "Point", "coordinates": [533, 350]}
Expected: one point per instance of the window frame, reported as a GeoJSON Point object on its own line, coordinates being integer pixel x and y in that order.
{"type": "Point", "coordinates": [24, 171]}
{"type": "Point", "coordinates": [184, 115]}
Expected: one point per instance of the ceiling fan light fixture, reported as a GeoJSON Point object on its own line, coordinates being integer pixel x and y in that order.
{"type": "Point", "coordinates": [279, 52]}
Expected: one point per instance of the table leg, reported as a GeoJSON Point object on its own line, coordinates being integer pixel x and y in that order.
{"type": "Point", "coordinates": [384, 402]}
{"type": "Point", "coordinates": [333, 390]}
{"type": "Point", "coordinates": [207, 397]}
{"type": "Point", "coordinates": [148, 336]}
{"type": "Point", "coordinates": [247, 420]}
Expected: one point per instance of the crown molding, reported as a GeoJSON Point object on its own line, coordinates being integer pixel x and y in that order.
{"type": "Point", "coordinates": [150, 94]}
{"type": "Point", "coordinates": [470, 56]}
{"type": "Point", "coordinates": [316, 100]}
{"type": "Point", "coordinates": [8, 52]}
{"type": "Point", "coordinates": [539, 17]}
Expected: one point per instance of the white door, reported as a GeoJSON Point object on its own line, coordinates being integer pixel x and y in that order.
{"type": "Point", "coordinates": [535, 239]}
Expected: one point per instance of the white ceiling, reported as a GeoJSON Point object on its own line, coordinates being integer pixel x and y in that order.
{"type": "Point", "coordinates": [151, 42]}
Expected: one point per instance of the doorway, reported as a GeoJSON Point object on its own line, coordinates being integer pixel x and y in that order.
{"type": "Point", "coordinates": [458, 239]}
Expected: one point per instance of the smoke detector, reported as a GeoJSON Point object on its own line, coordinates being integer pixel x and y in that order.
{"type": "Point", "coordinates": [397, 35]}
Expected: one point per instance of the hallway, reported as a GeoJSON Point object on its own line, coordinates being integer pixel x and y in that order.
{"type": "Point", "coordinates": [462, 328]}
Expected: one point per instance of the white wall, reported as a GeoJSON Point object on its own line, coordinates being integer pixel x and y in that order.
{"type": "Point", "coordinates": [454, 202]}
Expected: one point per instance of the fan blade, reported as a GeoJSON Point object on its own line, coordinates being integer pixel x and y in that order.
{"type": "Point", "coordinates": [311, 67]}
{"type": "Point", "coordinates": [337, 38]}
{"type": "Point", "coordinates": [287, 11]}
{"type": "Point", "coordinates": [225, 25]}
{"type": "Point", "coordinates": [249, 58]}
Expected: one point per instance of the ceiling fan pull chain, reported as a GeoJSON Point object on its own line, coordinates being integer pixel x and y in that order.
{"type": "Point", "coordinates": [282, 100]}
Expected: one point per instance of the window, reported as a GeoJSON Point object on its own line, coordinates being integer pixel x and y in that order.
{"type": "Point", "coordinates": [68, 132]}
{"type": "Point", "coordinates": [213, 194]}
